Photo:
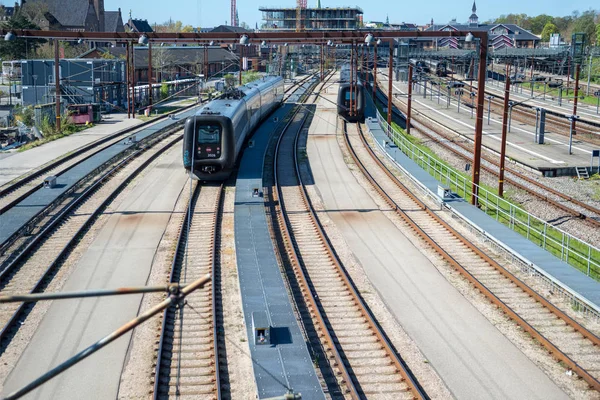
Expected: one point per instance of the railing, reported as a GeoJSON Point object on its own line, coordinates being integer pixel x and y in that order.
{"type": "Point", "coordinates": [568, 248]}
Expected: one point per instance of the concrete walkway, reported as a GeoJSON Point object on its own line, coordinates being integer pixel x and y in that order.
{"type": "Point", "coordinates": [121, 255]}
{"type": "Point", "coordinates": [14, 164]}
{"type": "Point", "coordinates": [553, 155]}
{"type": "Point", "coordinates": [471, 356]}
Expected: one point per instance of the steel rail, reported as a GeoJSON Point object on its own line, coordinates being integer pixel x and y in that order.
{"type": "Point", "coordinates": [519, 175]}
{"type": "Point", "coordinates": [556, 117]}
{"type": "Point", "coordinates": [89, 221]}
{"type": "Point", "coordinates": [286, 228]}
{"type": "Point", "coordinates": [307, 294]}
{"type": "Point", "coordinates": [44, 212]}
{"type": "Point", "coordinates": [174, 298]}
{"type": "Point", "coordinates": [28, 177]}
{"type": "Point", "coordinates": [182, 238]}
{"type": "Point", "coordinates": [553, 349]}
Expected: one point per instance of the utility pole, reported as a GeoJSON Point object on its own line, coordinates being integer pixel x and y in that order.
{"type": "Point", "coordinates": [390, 71]}
{"type": "Point", "coordinates": [374, 69]}
{"type": "Point", "coordinates": [576, 96]}
{"type": "Point", "coordinates": [241, 61]}
{"type": "Point", "coordinates": [132, 80]}
{"type": "Point", "coordinates": [409, 102]}
{"type": "Point", "coordinates": [149, 78]}
{"type": "Point", "coordinates": [483, 48]}
{"type": "Point", "coordinates": [504, 132]}
{"type": "Point", "coordinates": [351, 78]}
{"type": "Point", "coordinates": [57, 84]}
{"type": "Point", "coordinates": [127, 79]}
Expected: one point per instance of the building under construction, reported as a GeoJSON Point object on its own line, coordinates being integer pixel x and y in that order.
{"type": "Point", "coordinates": [292, 19]}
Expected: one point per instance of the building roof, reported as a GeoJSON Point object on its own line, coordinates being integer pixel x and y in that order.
{"type": "Point", "coordinates": [173, 55]}
{"type": "Point", "coordinates": [139, 25]}
{"type": "Point", "coordinates": [113, 21]}
{"type": "Point", "coordinates": [68, 12]}
{"type": "Point", "coordinates": [229, 28]}
{"type": "Point", "coordinates": [513, 31]}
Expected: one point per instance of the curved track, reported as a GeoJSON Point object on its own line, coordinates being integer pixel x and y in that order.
{"type": "Point", "coordinates": [568, 341]}
{"type": "Point", "coordinates": [368, 365]}
{"type": "Point", "coordinates": [430, 128]}
{"type": "Point", "coordinates": [31, 269]}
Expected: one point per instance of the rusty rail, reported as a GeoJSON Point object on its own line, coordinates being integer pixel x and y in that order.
{"type": "Point", "coordinates": [554, 350]}
{"type": "Point", "coordinates": [285, 227]}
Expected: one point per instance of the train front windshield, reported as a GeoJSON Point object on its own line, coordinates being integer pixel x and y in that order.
{"type": "Point", "coordinates": [209, 141]}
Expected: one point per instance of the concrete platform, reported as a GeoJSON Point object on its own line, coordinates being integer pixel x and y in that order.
{"type": "Point", "coordinates": [15, 218]}
{"type": "Point", "coordinates": [549, 265]}
{"type": "Point", "coordinates": [471, 356]}
{"type": "Point", "coordinates": [121, 255]}
{"type": "Point", "coordinates": [551, 159]}
{"type": "Point", "coordinates": [584, 110]}
{"type": "Point", "coordinates": [14, 163]}
{"type": "Point", "coordinates": [287, 362]}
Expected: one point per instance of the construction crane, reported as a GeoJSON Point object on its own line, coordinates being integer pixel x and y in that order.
{"type": "Point", "coordinates": [300, 5]}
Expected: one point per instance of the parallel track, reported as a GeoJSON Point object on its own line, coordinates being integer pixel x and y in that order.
{"type": "Point", "coordinates": [527, 114]}
{"type": "Point", "coordinates": [38, 262]}
{"type": "Point", "coordinates": [368, 365]}
{"type": "Point", "coordinates": [425, 124]}
{"type": "Point", "coordinates": [564, 338]}
{"type": "Point", "coordinates": [187, 364]}
{"type": "Point", "coordinates": [15, 191]}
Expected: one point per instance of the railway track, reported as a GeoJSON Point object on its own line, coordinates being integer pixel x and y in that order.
{"type": "Point", "coordinates": [430, 128]}
{"type": "Point", "coordinates": [15, 191]}
{"type": "Point", "coordinates": [367, 365]}
{"type": "Point", "coordinates": [32, 269]}
{"type": "Point", "coordinates": [187, 364]}
{"type": "Point", "coordinates": [587, 131]}
{"type": "Point", "coordinates": [567, 341]}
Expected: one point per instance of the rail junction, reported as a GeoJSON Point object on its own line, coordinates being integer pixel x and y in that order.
{"type": "Point", "coordinates": [341, 260]}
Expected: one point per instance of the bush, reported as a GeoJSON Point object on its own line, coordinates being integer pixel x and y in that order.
{"type": "Point", "coordinates": [164, 91]}
{"type": "Point", "coordinates": [25, 115]}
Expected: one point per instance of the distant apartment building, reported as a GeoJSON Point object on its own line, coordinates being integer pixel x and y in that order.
{"type": "Point", "coordinates": [335, 18]}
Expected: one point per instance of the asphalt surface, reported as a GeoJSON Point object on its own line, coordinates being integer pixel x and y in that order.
{"type": "Point", "coordinates": [14, 164]}
{"type": "Point", "coordinates": [471, 356]}
{"type": "Point", "coordinates": [120, 255]}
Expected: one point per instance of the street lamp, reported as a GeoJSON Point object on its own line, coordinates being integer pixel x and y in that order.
{"type": "Point", "coordinates": [243, 39]}
{"type": "Point", "coordinates": [143, 40]}
{"type": "Point", "coordinates": [10, 36]}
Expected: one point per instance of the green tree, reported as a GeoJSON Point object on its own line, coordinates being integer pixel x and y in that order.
{"type": "Point", "coordinates": [585, 24]}
{"type": "Point", "coordinates": [598, 34]}
{"type": "Point", "coordinates": [548, 30]}
{"type": "Point", "coordinates": [539, 23]}
{"type": "Point", "coordinates": [18, 49]}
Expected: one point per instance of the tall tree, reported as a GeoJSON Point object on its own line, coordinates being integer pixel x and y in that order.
{"type": "Point", "coordinates": [19, 48]}
{"type": "Point", "coordinates": [548, 30]}
{"type": "Point", "coordinates": [585, 23]}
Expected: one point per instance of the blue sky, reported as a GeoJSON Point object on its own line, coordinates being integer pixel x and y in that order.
{"type": "Point", "coordinates": [207, 13]}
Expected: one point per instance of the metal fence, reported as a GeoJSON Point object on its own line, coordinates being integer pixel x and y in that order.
{"type": "Point", "coordinates": [568, 248]}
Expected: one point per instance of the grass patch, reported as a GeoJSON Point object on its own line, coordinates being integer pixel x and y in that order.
{"type": "Point", "coordinates": [69, 130]}
{"type": "Point", "coordinates": [569, 249]}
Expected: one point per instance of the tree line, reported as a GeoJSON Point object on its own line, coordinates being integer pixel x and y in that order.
{"type": "Point", "coordinates": [587, 22]}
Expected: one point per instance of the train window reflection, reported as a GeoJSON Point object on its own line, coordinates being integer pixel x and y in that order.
{"type": "Point", "coordinates": [209, 134]}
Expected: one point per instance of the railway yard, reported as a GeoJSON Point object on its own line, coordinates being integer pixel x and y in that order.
{"type": "Point", "coordinates": [340, 260]}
